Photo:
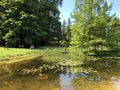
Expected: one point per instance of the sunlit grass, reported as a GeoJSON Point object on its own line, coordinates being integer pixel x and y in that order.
{"type": "Point", "coordinates": [50, 54]}
{"type": "Point", "coordinates": [62, 55]}
{"type": "Point", "coordinates": [15, 52]}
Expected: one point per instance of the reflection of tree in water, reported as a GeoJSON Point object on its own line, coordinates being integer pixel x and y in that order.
{"type": "Point", "coordinates": [105, 75]}
{"type": "Point", "coordinates": [102, 74]}
{"type": "Point", "coordinates": [31, 83]}
{"type": "Point", "coordinates": [104, 66]}
{"type": "Point", "coordinates": [83, 84]}
{"type": "Point", "coordinates": [103, 63]}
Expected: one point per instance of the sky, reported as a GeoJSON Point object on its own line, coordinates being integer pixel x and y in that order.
{"type": "Point", "coordinates": [68, 6]}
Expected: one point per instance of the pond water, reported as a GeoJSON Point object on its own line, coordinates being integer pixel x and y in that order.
{"type": "Point", "coordinates": [104, 75]}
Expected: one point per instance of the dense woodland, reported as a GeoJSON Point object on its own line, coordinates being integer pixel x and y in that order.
{"type": "Point", "coordinates": [27, 22]}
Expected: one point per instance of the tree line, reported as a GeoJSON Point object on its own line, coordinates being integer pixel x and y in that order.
{"type": "Point", "coordinates": [37, 22]}
{"type": "Point", "coordinates": [26, 22]}
{"type": "Point", "coordinates": [94, 28]}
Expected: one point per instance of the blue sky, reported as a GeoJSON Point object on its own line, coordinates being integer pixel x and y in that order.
{"type": "Point", "coordinates": [66, 9]}
{"type": "Point", "coordinates": [68, 6]}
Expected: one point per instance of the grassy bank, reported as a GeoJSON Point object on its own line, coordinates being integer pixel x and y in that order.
{"type": "Point", "coordinates": [50, 54]}
{"type": "Point", "coordinates": [62, 54]}
{"type": "Point", "coordinates": [13, 53]}
{"type": "Point", "coordinates": [15, 59]}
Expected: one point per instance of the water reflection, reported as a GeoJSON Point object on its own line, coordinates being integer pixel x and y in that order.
{"type": "Point", "coordinates": [65, 81]}
{"type": "Point", "coordinates": [62, 81]}
{"type": "Point", "coordinates": [83, 84]}
{"type": "Point", "coordinates": [30, 83]}
{"type": "Point", "coordinates": [117, 84]}
{"type": "Point", "coordinates": [105, 77]}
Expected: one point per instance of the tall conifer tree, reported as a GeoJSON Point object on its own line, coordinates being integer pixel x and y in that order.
{"type": "Point", "coordinates": [89, 29]}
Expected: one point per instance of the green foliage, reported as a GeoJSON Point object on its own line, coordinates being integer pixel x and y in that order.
{"type": "Point", "coordinates": [62, 55]}
{"type": "Point", "coordinates": [113, 34]}
{"type": "Point", "coordinates": [51, 54]}
{"type": "Point", "coordinates": [91, 22]}
{"type": "Point", "coordinates": [29, 21]}
{"type": "Point", "coordinates": [66, 34]}
{"type": "Point", "coordinates": [76, 54]}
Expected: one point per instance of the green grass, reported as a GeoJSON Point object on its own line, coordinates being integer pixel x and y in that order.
{"type": "Point", "coordinates": [50, 54]}
{"type": "Point", "coordinates": [54, 54]}
{"type": "Point", "coordinates": [15, 52]}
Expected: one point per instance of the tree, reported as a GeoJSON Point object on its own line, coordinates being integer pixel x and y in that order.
{"type": "Point", "coordinates": [66, 34]}
{"type": "Point", "coordinates": [28, 21]}
{"type": "Point", "coordinates": [50, 20]}
{"type": "Point", "coordinates": [113, 34]}
{"type": "Point", "coordinates": [89, 29]}
{"type": "Point", "coordinates": [8, 21]}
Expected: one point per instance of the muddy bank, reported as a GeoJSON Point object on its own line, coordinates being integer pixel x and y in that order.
{"type": "Point", "coordinates": [11, 66]}
{"type": "Point", "coordinates": [20, 59]}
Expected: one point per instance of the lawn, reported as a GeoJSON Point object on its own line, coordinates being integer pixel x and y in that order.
{"type": "Point", "coordinates": [15, 53]}
{"type": "Point", "coordinates": [49, 54]}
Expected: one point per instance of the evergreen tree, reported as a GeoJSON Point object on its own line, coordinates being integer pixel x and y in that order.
{"type": "Point", "coordinates": [89, 29]}
{"type": "Point", "coordinates": [113, 33]}
{"type": "Point", "coordinates": [66, 34]}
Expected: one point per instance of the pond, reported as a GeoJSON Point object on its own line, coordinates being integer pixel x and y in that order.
{"type": "Point", "coordinates": [103, 74]}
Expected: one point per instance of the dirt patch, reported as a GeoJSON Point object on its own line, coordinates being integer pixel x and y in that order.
{"type": "Point", "coordinates": [21, 59]}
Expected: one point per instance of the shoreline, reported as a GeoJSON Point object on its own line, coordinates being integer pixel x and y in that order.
{"type": "Point", "coordinates": [21, 59]}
